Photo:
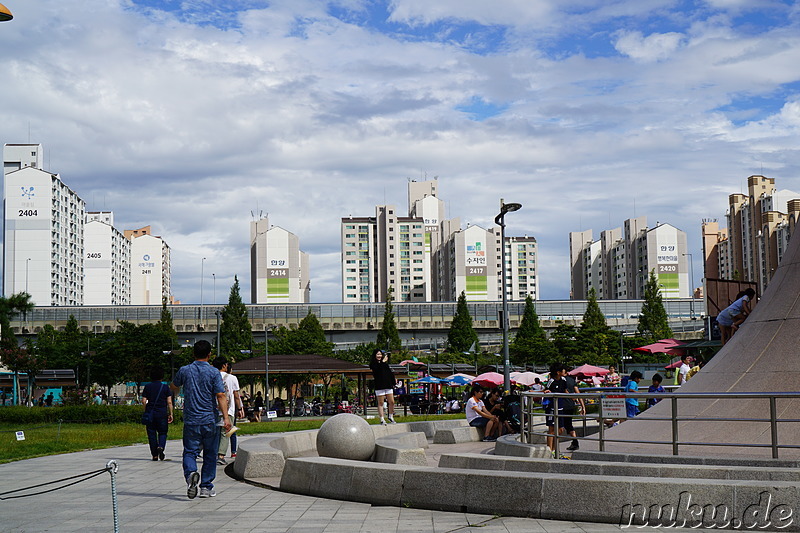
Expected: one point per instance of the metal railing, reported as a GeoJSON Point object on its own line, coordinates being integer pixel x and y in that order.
{"type": "Point", "coordinates": [531, 409]}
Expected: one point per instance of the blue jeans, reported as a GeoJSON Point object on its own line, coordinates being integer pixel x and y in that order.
{"type": "Point", "coordinates": [157, 435]}
{"type": "Point", "coordinates": [205, 438]}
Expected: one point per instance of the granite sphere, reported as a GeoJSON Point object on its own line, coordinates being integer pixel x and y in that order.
{"type": "Point", "coordinates": [346, 436]}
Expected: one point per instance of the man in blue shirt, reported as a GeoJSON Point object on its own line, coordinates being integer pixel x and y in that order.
{"type": "Point", "coordinates": [203, 392]}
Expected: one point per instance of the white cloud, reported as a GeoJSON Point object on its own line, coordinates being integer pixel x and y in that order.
{"type": "Point", "coordinates": [654, 47]}
{"type": "Point", "coordinates": [190, 127]}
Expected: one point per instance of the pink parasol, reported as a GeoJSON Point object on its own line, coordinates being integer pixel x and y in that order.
{"type": "Point", "coordinates": [528, 378]}
{"type": "Point", "coordinates": [490, 379]}
{"type": "Point", "coordinates": [667, 346]}
{"type": "Point", "coordinates": [588, 371]}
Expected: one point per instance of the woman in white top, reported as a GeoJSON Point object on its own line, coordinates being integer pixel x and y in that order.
{"type": "Point", "coordinates": [478, 416]}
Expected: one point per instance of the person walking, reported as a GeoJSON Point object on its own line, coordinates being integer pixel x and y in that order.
{"type": "Point", "coordinates": [235, 407]}
{"type": "Point", "coordinates": [157, 399]}
{"type": "Point", "coordinates": [384, 383]}
{"type": "Point", "coordinates": [203, 392]}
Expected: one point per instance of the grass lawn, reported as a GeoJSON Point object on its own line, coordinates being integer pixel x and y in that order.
{"type": "Point", "coordinates": [50, 439]}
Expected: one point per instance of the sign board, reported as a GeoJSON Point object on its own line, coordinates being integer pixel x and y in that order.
{"type": "Point", "coordinates": [272, 414]}
{"type": "Point", "coordinates": [613, 406]}
{"type": "Point", "coordinates": [415, 388]}
{"type": "Point", "coordinates": [20, 435]}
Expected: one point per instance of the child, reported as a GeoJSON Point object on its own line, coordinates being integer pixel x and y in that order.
{"type": "Point", "coordinates": [632, 404]}
{"type": "Point", "coordinates": [655, 387]}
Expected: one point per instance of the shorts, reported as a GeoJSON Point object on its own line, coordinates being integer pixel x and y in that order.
{"type": "Point", "coordinates": [563, 421]}
{"type": "Point", "coordinates": [631, 410]}
{"type": "Point", "coordinates": [384, 392]}
{"type": "Point", "coordinates": [479, 422]}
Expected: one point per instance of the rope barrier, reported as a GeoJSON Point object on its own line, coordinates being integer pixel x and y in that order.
{"type": "Point", "coordinates": [86, 476]}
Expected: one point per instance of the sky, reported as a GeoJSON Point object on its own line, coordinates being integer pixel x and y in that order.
{"type": "Point", "coordinates": [195, 116]}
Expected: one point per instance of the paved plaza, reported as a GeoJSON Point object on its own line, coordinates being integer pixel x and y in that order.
{"type": "Point", "coordinates": [152, 497]}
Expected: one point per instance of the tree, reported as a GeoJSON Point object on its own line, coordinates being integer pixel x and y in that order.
{"type": "Point", "coordinates": [307, 338]}
{"type": "Point", "coordinates": [565, 341]}
{"type": "Point", "coordinates": [653, 321]}
{"type": "Point", "coordinates": [388, 336]}
{"type": "Point", "coordinates": [461, 336]}
{"type": "Point", "coordinates": [236, 333]}
{"type": "Point", "coordinates": [530, 344]}
{"type": "Point", "coordinates": [22, 360]}
{"type": "Point", "coordinates": [165, 322]}
{"type": "Point", "coordinates": [9, 308]}
{"type": "Point", "coordinates": [595, 335]}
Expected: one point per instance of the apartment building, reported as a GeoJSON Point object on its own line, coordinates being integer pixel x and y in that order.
{"type": "Point", "coordinates": [150, 267]}
{"type": "Point", "coordinates": [279, 270]}
{"type": "Point", "coordinates": [426, 257]}
{"type": "Point", "coordinates": [618, 265]}
{"type": "Point", "coordinates": [760, 224]}
{"type": "Point", "coordinates": [107, 261]}
{"type": "Point", "coordinates": [43, 238]}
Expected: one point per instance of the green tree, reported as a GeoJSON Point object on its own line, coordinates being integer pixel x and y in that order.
{"type": "Point", "coordinates": [565, 341]}
{"type": "Point", "coordinates": [388, 336]}
{"type": "Point", "coordinates": [165, 322]}
{"type": "Point", "coordinates": [22, 360]}
{"type": "Point", "coordinates": [530, 345]}
{"type": "Point", "coordinates": [653, 321]}
{"type": "Point", "coordinates": [236, 332]}
{"type": "Point", "coordinates": [461, 336]}
{"type": "Point", "coordinates": [595, 336]}
{"type": "Point", "coordinates": [19, 303]}
{"type": "Point", "coordinates": [307, 338]}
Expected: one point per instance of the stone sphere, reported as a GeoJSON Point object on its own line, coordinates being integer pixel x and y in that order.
{"type": "Point", "coordinates": [346, 436]}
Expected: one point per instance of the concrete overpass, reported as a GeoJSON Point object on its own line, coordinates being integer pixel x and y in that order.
{"type": "Point", "coordinates": [421, 325]}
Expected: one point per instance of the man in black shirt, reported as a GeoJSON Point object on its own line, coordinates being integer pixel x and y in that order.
{"type": "Point", "coordinates": [572, 386]}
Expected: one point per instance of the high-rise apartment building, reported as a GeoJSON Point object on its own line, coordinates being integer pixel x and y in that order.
{"type": "Point", "coordinates": [521, 268]}
{"type": "Point", "coordinates": [470, 258]}
{"type": "Point", "coordinates": [279, 270]}
{"type": "Point", "coordinates": [150, 267]}
{"type": "Point", "coordinates": [106, 263]}
{"type": "Point", "coordinates": [425, 257]}
{"type": "Point", "coordinates": [759, 226]}
{"type": "Point", "coordinates": [618, 265]}
{"type": "Point", "coordinates": [43, 237]}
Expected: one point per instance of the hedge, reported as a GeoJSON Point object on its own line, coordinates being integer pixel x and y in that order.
{"type": "Point", "coordinates": [81, 414]}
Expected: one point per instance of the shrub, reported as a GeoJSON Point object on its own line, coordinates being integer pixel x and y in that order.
{"type": "Point", "coordinates": [83, 414]}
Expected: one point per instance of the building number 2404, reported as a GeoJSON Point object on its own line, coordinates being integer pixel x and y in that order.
{"type": "Point", "coordinates": [28, 213]}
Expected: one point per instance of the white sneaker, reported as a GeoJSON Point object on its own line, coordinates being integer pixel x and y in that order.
{"type": "Point", "coordinates": [383, 422]}
{"type": "Point", "coordinates": [207, 493]}
{"type": "Point", "coordinates": [391, 420]}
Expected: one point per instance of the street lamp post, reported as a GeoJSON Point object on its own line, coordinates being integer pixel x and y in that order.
{"type": "Point", "coordinates": [214, 293]}
{"type": "Point", "coordinates": [219, 346]}
{"type": "Point", "coordinates": [202, 265]}
{"type": "Point", "coordinates": [266, 368]}
{"type": "Point", "coordinates": [691, 289]}
{"type": "Point", "coordinates": [500, 220]}
{"type": "Point", "coordinates": [27, 264]}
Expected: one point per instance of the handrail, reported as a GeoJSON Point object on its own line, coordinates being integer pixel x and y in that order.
{"type": "Point", "coordinates": [527, 430]}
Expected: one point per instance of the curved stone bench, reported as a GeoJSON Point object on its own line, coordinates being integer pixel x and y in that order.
{"type": "Point", "coordinates": [265, 457]}
{"type": "Point", "coordinates": [593, 498]}
{"type": "Point", "coordinates": [401, 448]}
{"type": "Point", "coordinates": [456, 435]}
{"type": "Point", "coordinates": [509, 445]}
{"type": "Point", "coordinates": [473, 461]}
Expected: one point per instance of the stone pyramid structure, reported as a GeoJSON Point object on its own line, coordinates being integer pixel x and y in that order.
{"type": "Point", "coordinates": [763, 356]}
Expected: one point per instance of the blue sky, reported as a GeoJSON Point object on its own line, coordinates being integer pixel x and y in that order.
{"type": "Point", "coordinates": [188, 115]}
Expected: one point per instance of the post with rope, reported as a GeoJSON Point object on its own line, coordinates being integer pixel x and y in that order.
{"type": "Point", "coordinates": [112, 467]}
